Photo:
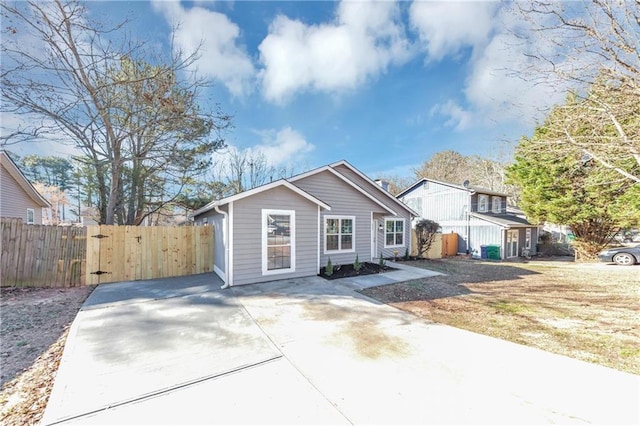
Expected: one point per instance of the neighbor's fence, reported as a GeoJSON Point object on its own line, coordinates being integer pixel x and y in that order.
{"type": "Point", "coordinates": [41, 255]}
{"type": "Point", "coordinates": [56, 256]}
{"type": "Point", "coordinates": [444, 245]}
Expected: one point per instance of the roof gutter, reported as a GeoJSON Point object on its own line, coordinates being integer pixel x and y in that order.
{"type": "Point", "coordinates": [226, 246]}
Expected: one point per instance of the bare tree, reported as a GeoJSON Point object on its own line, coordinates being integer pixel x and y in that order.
{"type": "Point", "coordinates": [426, 231]}
{"type": "Point", "coordinates": [594, 50]}
{"type": "Point", "coordinates": [139, 127]}
{"type": "Point", "coordinates": [447, 166]}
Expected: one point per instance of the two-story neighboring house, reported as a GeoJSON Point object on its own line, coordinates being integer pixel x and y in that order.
{"type": "Point", "coordinates": [18, 197]}
{"type": "Point", "coordinates": [479, 217]}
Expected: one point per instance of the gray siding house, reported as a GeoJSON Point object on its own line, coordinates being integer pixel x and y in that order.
{"type": "Point", "coordinates": [18, 197]}
{"type": "Point", "coordinates": [290, 227]}
{"type": "Point", "coordinates": [479, 216]}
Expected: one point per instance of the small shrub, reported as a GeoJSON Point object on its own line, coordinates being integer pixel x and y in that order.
{"type": "Point", "coordinates": [406, 253]}
{"type": "Point", "coordinates": [381, 261]}
{"type": "Point", "coordinates": [328, 270]}
{"type": "Point", "coordinates": [357, 265]}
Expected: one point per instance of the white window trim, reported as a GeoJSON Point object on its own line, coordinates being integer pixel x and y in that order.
{"type": "Point", "coordinates": [527, 239]}
{"type": "Point", "coordinates": [33, 216]}
{"type": "Point", "coordinates": [404, 231]}
{"type": "Point", "coordinates": [483, 208]}
{"type": "Point", "coordinates": [496, 204]}
{"type": "Point", "coordinates": [353, 234]}
{"type": "Point", "coordinates": [292, 232]}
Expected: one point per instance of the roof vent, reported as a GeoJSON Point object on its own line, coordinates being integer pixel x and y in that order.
{"type": "Point", "coordinates": [466, 183]}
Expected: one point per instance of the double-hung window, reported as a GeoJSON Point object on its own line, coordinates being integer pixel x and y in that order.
{"type": "Point", "coordinates": [339, 233]}
{"type": "Point", "coordinates": [483, 203]}
{"type": "Point", "coordinates": [496, 204]}
{"type": "Point", "coordinates": [393, 233]}
{"type": "Point", "coordinates": [31, 216]}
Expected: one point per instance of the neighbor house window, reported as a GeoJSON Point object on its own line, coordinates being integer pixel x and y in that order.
{"type": "Point", "coordinates": [31, 216]}
{"type": "Point", "coordinates": [483, 203]}
{"type": "Point", "coordinates": [527, 239]}
{"type": "Point", "coordinates": [393, 232]}
{"type": "Point", "coordinates": [278, 241]}
{"type": "Point", "coordinates": [496, 204]}
{"type": "Point", "coordinates": [339, 233]}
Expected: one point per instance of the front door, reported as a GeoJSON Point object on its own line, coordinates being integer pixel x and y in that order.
{"type": "Point", "coordinates": [512, 243]}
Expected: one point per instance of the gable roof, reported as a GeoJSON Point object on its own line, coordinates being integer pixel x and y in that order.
{"type": "Point", "coordinates": [346, 180]}
{"type": "Point", "coordinates": [258, 189]}
{"type": "Point", "coordinates": [21, 179]}
{"type": "Point", "coordinates": [471, 188]}
{"type": "Point", "coordinates": [385, 194]}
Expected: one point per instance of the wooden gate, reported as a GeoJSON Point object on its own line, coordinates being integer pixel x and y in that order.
{"type": "Point", "coordinates": [449, 244]}
{"type": "Point", "coordinates": [128, 253]}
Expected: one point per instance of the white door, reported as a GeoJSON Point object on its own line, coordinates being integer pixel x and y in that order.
{"type": "Point", "coordinates": [512, 243]}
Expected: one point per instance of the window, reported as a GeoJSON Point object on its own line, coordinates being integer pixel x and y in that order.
{"type": "Point", "coordinates": [393, 232]}
{"type": "Point", "coordinates": [31, 216]}
{"type": "Point", "coordinates": [483, 203]}
{"type": "Point", "coordinates": [496, 204]}
{"type": "Point", "coordinates": [339, 233]}
{"type": "Point", "coordinates": [527, 239]}
{"type": "Point", "coordinates": [278, 241]}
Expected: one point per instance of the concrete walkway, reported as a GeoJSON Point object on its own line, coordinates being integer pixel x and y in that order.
{"type": "Point", "coordinates": [309, 351]}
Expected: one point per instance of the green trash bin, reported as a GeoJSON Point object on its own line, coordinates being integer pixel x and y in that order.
{"type": "Point", "coordinates": [493, 252]}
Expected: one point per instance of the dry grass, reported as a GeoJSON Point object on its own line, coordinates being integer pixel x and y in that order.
{"type": "Point", "coordinates": [586, 311]}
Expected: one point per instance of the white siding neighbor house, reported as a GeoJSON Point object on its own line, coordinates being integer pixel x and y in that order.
{"type": "Point", "coordinates": [291, 227]}
{"type": "Point", "coordinates": [18, 198]}
{"type": "Point", "coordinates": [479, 216]}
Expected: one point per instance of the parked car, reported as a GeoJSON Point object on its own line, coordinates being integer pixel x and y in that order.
{"type": "Point", "coordinates": [621, 255]}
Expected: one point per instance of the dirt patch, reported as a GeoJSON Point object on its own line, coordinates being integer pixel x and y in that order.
{"type": "Point", "coordinates": [33, 329]}
{"type": "Point", "coordinates": [586, 311]}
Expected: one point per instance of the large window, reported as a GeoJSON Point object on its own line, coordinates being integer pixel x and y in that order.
{"type": "Point", "coordinates": [496, 204]}
{"type": "Point", "coordinates": [339, 233]}
{"type": "Point", "coordinates": [31, 216]}
{"type": "Point", "coordinates": [278, 241]}
{"type": "Point", "coordinates": [483, 203]}
{"type": "Point", "coordinates": [393, 233]}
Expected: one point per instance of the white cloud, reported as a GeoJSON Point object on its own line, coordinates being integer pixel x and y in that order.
{"type": "Point", "coordinates": [446, 27]}
{"type": "Point", "coordinates": [458, 118]}
{"type": "Point", "coordinates": [364, 40]}
{"type": "Point", "coordinates": [283, 147]}
{"type": "Point", "coordinates": [222, 58]}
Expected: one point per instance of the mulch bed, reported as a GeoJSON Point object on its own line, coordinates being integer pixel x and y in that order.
{"type": "Point", "coordinates": [345, 271]}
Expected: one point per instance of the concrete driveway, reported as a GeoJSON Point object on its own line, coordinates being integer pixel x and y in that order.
{"type": "Point", "coordinates": [308, 351]}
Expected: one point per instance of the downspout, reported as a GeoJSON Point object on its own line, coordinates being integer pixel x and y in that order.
{"type": "Point", "coordinates": [226, 247]}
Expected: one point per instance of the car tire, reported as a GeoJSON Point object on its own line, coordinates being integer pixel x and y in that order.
{"type": "Point", "coordinates": [624, 259]}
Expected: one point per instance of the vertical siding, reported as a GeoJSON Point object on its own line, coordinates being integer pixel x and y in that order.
{"type": "Point", "coordinates": [14, 201]}
{"type": "Point", "coordinates": [393, 203]}
{"type": "Point", "coordinates": [344, 201]}
{"type": "Point", "coordinates": [446, 205]}
{"type": "Point", "coordinates": [247, 235]}
{"type": "Point", "coordinates": [484, 233]}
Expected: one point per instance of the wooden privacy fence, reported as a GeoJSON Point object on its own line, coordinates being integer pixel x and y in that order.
{"type": "Point", "coordinates": [41, 255]}
{"type": "Point", "coordinates": [444, 245]}
{"type": "Point", "coordinates": [127, 253]}
{"type": "Point", "coordinates": [56, 256]}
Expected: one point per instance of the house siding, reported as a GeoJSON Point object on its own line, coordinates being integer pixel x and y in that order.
{"type": "Point", "coordinates": [344, 201]}
{"type": "Point", "coordinates": [247, 235]}
{"type": "Point", "coordinates": [446, 205]}
{"type": "Point", "coordinates": [14, 201]}
{"type": "Point", "coordinates": [485, 233]}
{"type": "Point", "coordinates": [393, 203]}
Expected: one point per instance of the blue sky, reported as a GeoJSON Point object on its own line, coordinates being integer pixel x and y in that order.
{"type": "Point", "coordinates": [383, 85]}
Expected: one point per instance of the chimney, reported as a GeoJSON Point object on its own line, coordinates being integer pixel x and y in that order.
{"type": "Point", "coordinates": [383, 184]}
